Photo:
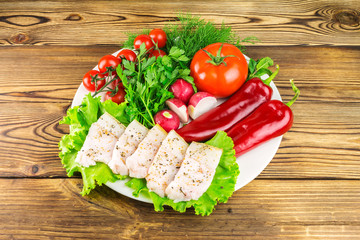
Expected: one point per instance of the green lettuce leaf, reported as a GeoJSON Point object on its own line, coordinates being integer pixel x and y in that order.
{"type": "Point", "coordinates": [79, 119]}
{"type": "Point", "coordinates": [221, 188]}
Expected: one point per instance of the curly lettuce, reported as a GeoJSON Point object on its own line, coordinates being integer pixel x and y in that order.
{"type": "Point", "coordinates": [220, 190]}
{"type": "Point", "coordinates": [79, 119]}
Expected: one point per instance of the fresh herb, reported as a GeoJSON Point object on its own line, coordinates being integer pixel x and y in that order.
{"type": "Point", "coordinates": [192, 34]}
{"type": "Point", "coordinates": [147, 80]}
{"type": "Point", "coordinates": [261, 67]}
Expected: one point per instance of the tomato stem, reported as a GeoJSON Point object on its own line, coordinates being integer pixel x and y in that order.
{"type": "Point", "coordinates": [94, 79]}
{"type": "Point", "coordinates": [218, 59]}
{"type": "Point", "coordinates": [109, 71]}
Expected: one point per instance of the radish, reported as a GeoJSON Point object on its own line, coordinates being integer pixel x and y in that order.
{"type": "Point", "coordinates": [182, 90]}
{"type": "Point", "coordinates": [200, 103]}
{"type": "Point", "coordinates": [167, 119]}
{"type": "Point", "coordinates": [179, 108]}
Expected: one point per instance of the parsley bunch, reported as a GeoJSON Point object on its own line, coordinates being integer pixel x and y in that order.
{"type": "Point", "coordinates": [147, 80]}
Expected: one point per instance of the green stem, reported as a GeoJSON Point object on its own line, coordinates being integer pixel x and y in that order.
{"type": "Point", "coordinates": [139, 68]}
{"type": "Point", "coordinates": [148, 111]}
{"type": "Point", "coordinates": [296, 91]}
{"type": "Point", "coordinates": [217, 60]}
{"type": "Point", "coordinates": [146, 119]}
{"type": "Point", "coordinates": [269, 79]}
{"type": "Point", "coordinates": [103, 87]}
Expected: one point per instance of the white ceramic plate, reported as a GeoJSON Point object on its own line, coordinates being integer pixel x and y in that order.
{"type": "Point", "coordinates": [251, 164]}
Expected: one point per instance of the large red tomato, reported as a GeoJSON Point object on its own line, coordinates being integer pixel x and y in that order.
{"type": "Point", "coordinates": [219, 69]}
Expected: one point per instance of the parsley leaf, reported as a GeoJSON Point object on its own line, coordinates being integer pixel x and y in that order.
{"type": "Point", "coordinates": [261, 67]}
{"type": "Point", "coordinates": [147, 81]}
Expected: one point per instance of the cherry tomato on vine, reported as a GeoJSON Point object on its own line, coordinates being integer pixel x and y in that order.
{"type": "Point", "coordinates": [127, 54]}
{"type": "Point", "coordinates": [143, 39]}
{"type": "Point", "coordinates": [159, 37]}
{"type": "Point", "coordinates": [118, 98]}
{"type": "Point", "coordinates": [106, 62]}
{"type": "Point", "coordinates": [117, 82]}
{"type": "Point", "coordinates": [157, 53]}
{"type": "Point", "coordinates": [88, 82]}
{"type": "Point", "coordinates": [219, 69]}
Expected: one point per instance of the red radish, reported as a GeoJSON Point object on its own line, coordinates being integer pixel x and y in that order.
{"type": "Point", "coordinates": [182, 90]}
{"type": "Point", "coordinates": [179, 108]}
{"type": "Point", "coordinates": [200, 103]}
{"type": "Point", "coordinates": [167, 119]}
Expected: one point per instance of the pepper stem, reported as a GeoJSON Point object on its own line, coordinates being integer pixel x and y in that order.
{"type": "Point", "coordinates": [269, 79]}
{"type": "Point", "coordinates": [218, 59]}
{"type": "Point", "coordinates": [296, 91]}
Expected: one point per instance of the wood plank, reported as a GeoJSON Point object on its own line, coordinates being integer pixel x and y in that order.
{"type": "Point", "coordinates": [309, 22]}
{"type": "Point", "coordinates": [323, 143]}
{"type": "Point", "coordinates": [282, 209]}
{"type": "Point", "coordinates": [325, 113]}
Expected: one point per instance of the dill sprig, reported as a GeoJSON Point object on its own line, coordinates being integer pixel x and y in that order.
{"type": "Point", "coordinates": [192, 33]}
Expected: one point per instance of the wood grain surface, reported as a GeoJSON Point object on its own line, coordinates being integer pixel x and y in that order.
{"type": "Point", "coordinates": [308, 22]}
{"type": "Point", "coordinates": [264, 209]}
{"type": "Point", "coordinates": [310, 190]}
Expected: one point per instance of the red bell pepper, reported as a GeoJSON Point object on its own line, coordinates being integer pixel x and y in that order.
{"type": "Point", "coordinates": [221, 118]}
{"type": "Point", "coordinates": [270, 120]}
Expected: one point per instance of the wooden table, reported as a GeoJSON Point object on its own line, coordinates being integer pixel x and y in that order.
{"type": "Point", "coordinates": [310, 190]}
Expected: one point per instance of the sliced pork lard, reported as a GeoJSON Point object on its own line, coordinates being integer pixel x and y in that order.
{"type": "Point", "coordinates": [100, 141]}
{"type": "Point", "coordinates": [126, 146]}
{"type": "Point", "coordinates": [139, 162]}
{"type": "Point", "coordinates": [166, 163]}
{"type": "Point", "coordinates": [195, 174]}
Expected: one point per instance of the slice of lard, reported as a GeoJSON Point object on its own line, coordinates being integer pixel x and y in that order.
{"type": "Point", "coordinates": [139, 162]}
{"type": "Point", "coordinates": [100, 141]}
{"type": "Point", "coordinates": [166, 163]}
{"type": "Point", "coordinates": [196, 172]}
{"type": "Point", "coordinates": [126, 146]}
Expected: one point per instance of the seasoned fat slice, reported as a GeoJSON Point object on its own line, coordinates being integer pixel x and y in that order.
{"type": "Point", "coordinates": [100, 141]}
{"type": "Point", "coordinates": [166, 163]}
{"type": "Point", "coordinates": [139, 162]}
{"type": "Point", "coordinates": [126, 146]}
{"type": "Point", "coordinates": [195, 174]}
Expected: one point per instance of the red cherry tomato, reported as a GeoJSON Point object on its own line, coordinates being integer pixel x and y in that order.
{"type": "Point", "coordinates": [118, 98]}
{"type": "Point", "coordinates": [106, 62]}
{"type": "Point", "coordinates": [223, 79]}
{"type": "Point", "coordinates": [143, 39]}
{"type": "Point", "coordinates": [89, 84]}
{"type": "Point", "coordinates": [117, 82]}
{"type": "Point", "coordinates": [159, 37]}
{"type": "Point", "coordinates": [157, 53]}
{"type": "Point", "coordinates": [127, 54]}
